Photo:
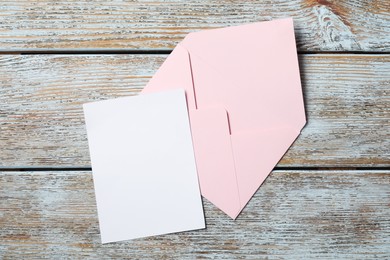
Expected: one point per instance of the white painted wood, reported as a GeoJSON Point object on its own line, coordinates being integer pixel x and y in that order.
{"type": "Point", "coordinates": [41, 121]}
{"type": "Point", "coordinates": [294, 215]}
{"type": "Point", "coordinates": [321, 25]}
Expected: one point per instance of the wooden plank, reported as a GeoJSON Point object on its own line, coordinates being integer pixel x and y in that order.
{"type": "Point", "coordinates": [295, 215]}
{"type": "Point", "coordinates": [41, 120]}
{"type": "Point", "coordinates": [321, 25]}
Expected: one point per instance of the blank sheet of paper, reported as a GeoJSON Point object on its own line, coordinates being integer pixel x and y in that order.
{"type": "Point", "coordinates": [143, 166]}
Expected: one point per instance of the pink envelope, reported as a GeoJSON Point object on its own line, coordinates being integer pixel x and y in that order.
{"type": "Point", "coordinates": [245, 104]}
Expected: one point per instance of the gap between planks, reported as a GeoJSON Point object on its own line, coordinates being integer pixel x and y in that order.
{"type": "Point", "coordinates": [86, 168]}
{"type": "Point", "coordinates": [149, 52]}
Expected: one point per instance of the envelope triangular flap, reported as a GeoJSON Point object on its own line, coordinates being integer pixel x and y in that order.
{"type": "Point", "coordinates": [260, 59]}
{"type": "Point", "coordinates": [256, 154]}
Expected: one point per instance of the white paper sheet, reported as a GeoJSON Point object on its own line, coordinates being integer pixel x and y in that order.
{"type": "Point", "coordinates": [143, 166]}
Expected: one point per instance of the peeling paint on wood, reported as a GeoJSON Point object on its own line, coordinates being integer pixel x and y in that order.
{"type": "Point", "coordinates": [321, 25]}
{"type": "Point", "coordinates": [41, 122]}
{"type": "Point", "coordinates": [332, 214]}
{"type": "Point", "coordinates": [294, 215]}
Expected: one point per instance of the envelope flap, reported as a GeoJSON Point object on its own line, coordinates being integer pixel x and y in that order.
{"type": "Point", "coordinates": [214, 158]}
{"type": "Point", "coordinates": [256, 153]}
{"type": "Point", "coordinates": [257, 69]}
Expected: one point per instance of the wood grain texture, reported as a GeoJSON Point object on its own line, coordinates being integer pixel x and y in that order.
{"type": "Point", "coordinates": [294, 215]}
{"type": "Point", "coordinates": [321, 25]}
{"type": "Point", "coordinates": [41, 120]}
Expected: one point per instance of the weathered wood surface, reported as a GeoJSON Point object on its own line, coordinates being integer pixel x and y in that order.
{"type": "Point", "coordinates": [41, 120]}
{"type": "Point", "coordinates": [321, 25]}
{"type": "Point", "coordinates": [294, 215]}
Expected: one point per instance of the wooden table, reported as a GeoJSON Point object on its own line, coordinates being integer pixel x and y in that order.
{"type": "Point", "coordinates": [329, 197]}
